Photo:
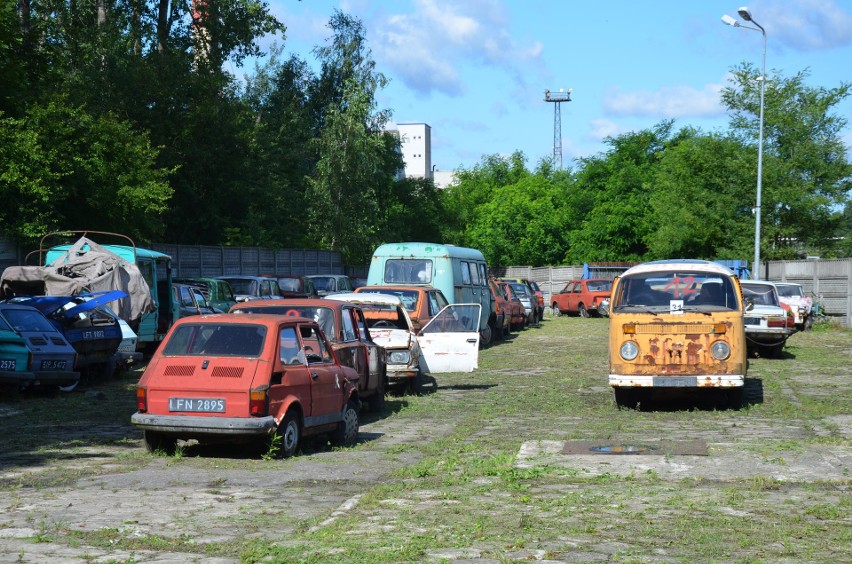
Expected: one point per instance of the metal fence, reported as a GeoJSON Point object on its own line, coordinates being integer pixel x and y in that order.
{"type": "Point", "coordinates": [828, 280]}
{"type": "Point", "coordinates": [197, 260]}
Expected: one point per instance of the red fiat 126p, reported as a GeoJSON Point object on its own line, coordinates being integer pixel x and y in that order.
{"type": "Point", "coordinates": [240, 378]}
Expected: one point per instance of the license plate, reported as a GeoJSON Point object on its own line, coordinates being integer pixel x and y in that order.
{"type": "Point", "coordinates": [752, 321]}
{"type": "Point", "coordinates": [6, 364]}
{"type": "Point", "coordinates": [197, 405]}
{"type": "Point", "coordinates": [53, 364]}
{"type": "Point", "coordinates": [676, 382]}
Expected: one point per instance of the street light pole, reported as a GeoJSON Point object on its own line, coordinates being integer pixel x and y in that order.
{"type": "Point", "coordinates": [746, 15]}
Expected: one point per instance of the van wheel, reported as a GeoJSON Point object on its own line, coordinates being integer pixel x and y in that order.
{"type": "Point", "coordinates": [155, 441]}
{"type": "Point", "coordinates": [290, 434]}
{"type": "Point", "coordinates": [626, 398]}
{"type": "Point", "coordinates": [583, 311]}
{"type": "Point", "coordinates": [346, 433]}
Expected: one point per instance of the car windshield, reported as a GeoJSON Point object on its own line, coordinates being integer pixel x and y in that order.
{"type": "Point", "coordinates": [4, 326]}
{"type": "Point", "coordinates": [324, 283]}
{"type": "Point", "coordinates": [409, 297]}
{"type": "Point", "coordinates": [667, 290]}
{"type": "Point", "coordinates": [216, 340]}
{"type": "Point", "coordinates": [790, 291]}
{"type": "Point", "coordinates": [324, 316]}
{"type": "Point", "coordinates": [290, 284]}
{"type": "Point", "coordinates": [520, 289]}
{"type": "Point", "coordinates": [760, 294]}
{"type": "Point", "coordinates": [241, 285]}
{"type": "Point", "coordinates": [599, 285]}
{"type": "Point", "coordinates": [27, 320]}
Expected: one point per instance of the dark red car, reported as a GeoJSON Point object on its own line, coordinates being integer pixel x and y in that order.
{"type": "Point", "coordinates": [344, 326]}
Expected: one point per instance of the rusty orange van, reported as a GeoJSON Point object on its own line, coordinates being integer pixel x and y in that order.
{"type": "Point", "coordinates": [677, 324]}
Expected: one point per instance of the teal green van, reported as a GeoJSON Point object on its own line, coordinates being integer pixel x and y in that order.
{"type": "Point", "coordinates": [460, 273]}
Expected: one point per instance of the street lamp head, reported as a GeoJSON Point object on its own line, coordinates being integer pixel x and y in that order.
{"type": "Point", "coordinates": [726, 19]}
{"type": "Point", "coordinates": [745, 13]}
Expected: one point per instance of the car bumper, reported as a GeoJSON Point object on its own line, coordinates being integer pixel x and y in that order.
{"type": "Point", "coordinates": [767, 335]}
{"type": "Point", "coordinates": [401, 374]}
{"type": "Point", "coordinates": [193, 425]}
{"type": "Point", "coordinates": [15, 378]}
{"type": "Point", "coordinates": [55, 378]}
{"type": "Point", "coordinates": [702, 381]}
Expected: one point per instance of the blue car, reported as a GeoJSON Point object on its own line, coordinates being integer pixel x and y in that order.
{"type": "Point", "coordinates": [52, 358]}
{"type": "Point", "coordinates": [93, 331]}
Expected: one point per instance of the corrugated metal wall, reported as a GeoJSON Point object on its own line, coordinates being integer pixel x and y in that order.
{"type": "Point", "coordinates": [198, 260]}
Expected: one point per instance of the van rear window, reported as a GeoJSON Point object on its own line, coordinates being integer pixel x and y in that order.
{"type": "Point", "coordinates": [408, 271]}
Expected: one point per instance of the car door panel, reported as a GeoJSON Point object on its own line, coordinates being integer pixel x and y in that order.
{"type": "Point", "coordinates": [450, 341]}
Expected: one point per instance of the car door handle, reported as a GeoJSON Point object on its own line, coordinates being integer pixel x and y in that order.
{"type": "Point", "coordinates": [314, 375]}
{"type": "Point", "coordinates": [472, 341]}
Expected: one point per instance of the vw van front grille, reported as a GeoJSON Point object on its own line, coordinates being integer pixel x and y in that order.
{"type": "Point", "coordinates": [676, 328]}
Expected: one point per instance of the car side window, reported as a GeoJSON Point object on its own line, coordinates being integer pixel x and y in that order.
{"type": "Point", "coordinates": [474, 274]}
{"type": "Point", "coordinates": [349, 333]}
{"type": "Point", "coordinates": [314, 345]}
{"type": "Point", "coordinates": [289, 347]}
{"type": "Point", "coordinates": [465, 268]}
{"type": "Point", "coordinates": [578, 287]}
{"type": "Point", "coordinates": [483, 277]}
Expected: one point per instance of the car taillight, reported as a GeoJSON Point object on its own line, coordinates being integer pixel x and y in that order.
{"type": "Point", "coordinates": [257, 402]}
{"type": "Point", "coordinates": [777, 322]}
{"type": "Point", "coordinates": [142, 400]}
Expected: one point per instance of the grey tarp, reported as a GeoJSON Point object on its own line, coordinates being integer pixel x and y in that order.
{"type": "Point", "coordinates": [85, 267]}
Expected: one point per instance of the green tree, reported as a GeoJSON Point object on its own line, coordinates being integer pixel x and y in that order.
{"type": "Point", "coordinates": [620, 182]}
{"type": "Point", "coordinates": [807, 175]}
{"type": "Point", "coordinates": [357, 161]}
{"type": "Point", "coordinates": [702, 200]}
{"type": "Point", "coordinates": [65, 169]}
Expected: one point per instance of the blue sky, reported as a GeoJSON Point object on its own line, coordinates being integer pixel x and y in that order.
{"type": "Point", "coordinates": [476, 70]}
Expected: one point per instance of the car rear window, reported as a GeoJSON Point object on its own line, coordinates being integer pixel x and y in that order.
{"type": "Point", "coordinates": [601, 286]}
{"type": "Point", "coordinates": [289, 284]}
{"type": "Point", "coordinates": [27, 320]}
{"type": "Point", "coordinates": [324, 316]}
{"type": "Point", "coordinates": [409, 297]}
{"type": "Point", "coordinates": [216, 340]}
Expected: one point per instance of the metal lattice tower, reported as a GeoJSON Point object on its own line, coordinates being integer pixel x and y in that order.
{"type": "Point", "coordinates": [557, 98]}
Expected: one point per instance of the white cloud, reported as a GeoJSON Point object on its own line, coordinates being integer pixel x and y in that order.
{"type": "Point", "coordinates": [600, 129]}
{"type": "Point", "coordinates": [807, 25]}
{"type": "Point", "coordinates": [426, 48]}
{"type": "Point", "coordinates": [669, 102]}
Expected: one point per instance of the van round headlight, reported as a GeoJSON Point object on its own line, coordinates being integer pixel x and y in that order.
{"type": "Point", "coordinates": [720, 350]}
{"type": "Point", "coordinates": [629, 350]}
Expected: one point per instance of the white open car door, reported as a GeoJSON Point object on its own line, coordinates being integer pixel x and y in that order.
{"type": "Point", "coordinates": [450, 341]}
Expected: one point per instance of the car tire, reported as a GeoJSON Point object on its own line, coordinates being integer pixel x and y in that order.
{"type": "Point", "coordinates": [290, 433]}
{"type": "Point", "coordinates": [346, 433]}
{"type": "Point", "coordinates": [159, 442]}
{"type": "Point", "coordinates": [583, 311]}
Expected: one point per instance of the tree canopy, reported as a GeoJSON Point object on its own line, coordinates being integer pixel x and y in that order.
{"type": "Point", "coordinates": [126, 116]}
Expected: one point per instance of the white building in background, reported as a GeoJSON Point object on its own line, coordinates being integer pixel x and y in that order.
{"type": "Point", "coordinates": [416, 145]}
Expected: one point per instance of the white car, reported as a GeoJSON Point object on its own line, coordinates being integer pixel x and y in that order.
{"type": "Point", "coordinates": [801, 305]}
{"type": "Point", "coordinates": [766, 327]}
{"type": "Point", "coordinates": [449, 342]}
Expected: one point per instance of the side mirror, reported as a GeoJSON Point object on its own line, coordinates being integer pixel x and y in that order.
{"type": "Point", "coordinates": [749, 304]}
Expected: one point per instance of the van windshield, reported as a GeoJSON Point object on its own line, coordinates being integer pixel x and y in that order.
{"type": "Point", "coordinates": [408, 271]}
{"type": "Point", "coordinates": [660, 291]}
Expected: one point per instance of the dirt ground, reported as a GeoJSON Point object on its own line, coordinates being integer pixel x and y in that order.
{"type": "Point", "coordinates": [82, 492]}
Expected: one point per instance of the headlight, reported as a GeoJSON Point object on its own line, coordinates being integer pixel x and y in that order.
{"type": "Point", "coordinates": [720, 350]}
{"type": "Point", "coordinates": [399, 357]}
{"type": "Point", "coordinates": [629, 350]}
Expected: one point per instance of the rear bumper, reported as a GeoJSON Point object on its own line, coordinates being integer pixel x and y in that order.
{"type": "Point", "coordinates": [768, 335]}
{"type": "Point", "coordinates": [194, 425]}
{"type": "Point", "coordinates": [12, 377]}
{"type": "Point", "coordinates": [55, 378]}
{"type": "Point", "coordinates": [702, 381]}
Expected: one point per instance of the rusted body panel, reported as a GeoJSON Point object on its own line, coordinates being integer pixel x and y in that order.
{"type": "Point", "coordinates": [673, 333]}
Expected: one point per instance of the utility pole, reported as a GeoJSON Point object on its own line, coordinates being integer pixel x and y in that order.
{"type": "Point", "coordinates": [557, 98]}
